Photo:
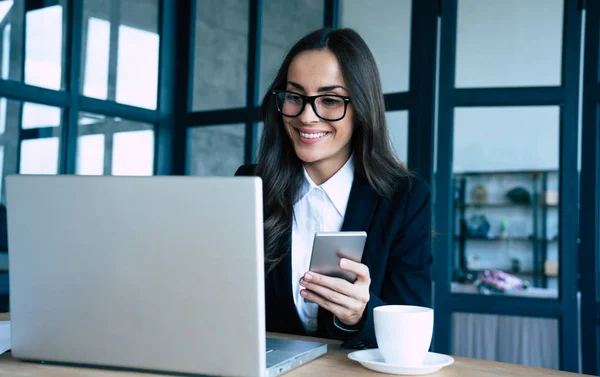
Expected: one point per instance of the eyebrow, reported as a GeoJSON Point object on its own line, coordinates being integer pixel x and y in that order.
{"type": "Point", "coordinates": [321, 89]}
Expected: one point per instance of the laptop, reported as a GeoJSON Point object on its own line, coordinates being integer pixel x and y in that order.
{"type": "Point", "coordinates": [161, 274]}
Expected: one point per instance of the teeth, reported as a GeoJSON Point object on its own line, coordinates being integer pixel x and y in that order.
{"type": "Point", "coordinates": [312, 136]}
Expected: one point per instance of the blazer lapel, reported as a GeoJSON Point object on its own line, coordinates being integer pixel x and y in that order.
{"type": "Point", "coordinates": [361, 206]}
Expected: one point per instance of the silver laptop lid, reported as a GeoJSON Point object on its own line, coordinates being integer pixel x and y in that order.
{"type": "Point", "coordinates": [157, 273]}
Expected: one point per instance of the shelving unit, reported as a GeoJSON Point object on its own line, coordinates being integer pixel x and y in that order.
{"type": "Point", "coordinates": [539, 239]}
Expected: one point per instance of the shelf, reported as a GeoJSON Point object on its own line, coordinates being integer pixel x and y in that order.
{"type": "Point", "coordinates": [492, 205]}
{"type": "Point", "coordinates": [499, 269]}
{"type": "Point", "coordinates": [502, 205]}
{"type": "Point", "coordinates": [502, 172]}
{"type": "Point", "coordinates": [457, 237]}
{"type": "Point", "coordinates": [526, 273]}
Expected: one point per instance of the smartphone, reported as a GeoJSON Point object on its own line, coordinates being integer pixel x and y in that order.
{"type": "Point", "coordinates": [330, 247]}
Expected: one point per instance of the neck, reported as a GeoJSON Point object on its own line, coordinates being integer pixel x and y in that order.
{"type": "Point", "coordinates": [321, 171]}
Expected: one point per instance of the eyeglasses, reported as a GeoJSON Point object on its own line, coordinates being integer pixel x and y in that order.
{"type": "Point", "coordinates": [329, 107]}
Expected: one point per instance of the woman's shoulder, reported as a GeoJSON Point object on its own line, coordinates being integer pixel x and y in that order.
{"type": "Point", "coordinates": [411, 200]}
{"type": "Point", "coordinates": [412, 188]}
{"type": "Point", "coordinates": [246, 170]}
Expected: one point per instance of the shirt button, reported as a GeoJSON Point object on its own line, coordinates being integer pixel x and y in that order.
{"type": "Point", "coordinates": [312, 323]}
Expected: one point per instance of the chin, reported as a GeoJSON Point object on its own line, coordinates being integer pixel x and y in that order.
{"type": "Point", "coordinates": [309, 157]}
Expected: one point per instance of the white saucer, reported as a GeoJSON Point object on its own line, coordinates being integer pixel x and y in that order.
{"type": "Point", "coordinates": [372, 359]}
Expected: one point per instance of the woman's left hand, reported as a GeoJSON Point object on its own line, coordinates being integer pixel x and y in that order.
{"type": "Point", "coordinates": [347, 301]}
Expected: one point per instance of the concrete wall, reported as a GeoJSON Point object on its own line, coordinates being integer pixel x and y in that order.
{"type": "Point", "coordinates": [220, 54]}
{"type": "Point", "coordinates": [215, 150]}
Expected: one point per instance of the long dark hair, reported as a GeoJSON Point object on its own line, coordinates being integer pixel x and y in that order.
{"type": "Point", "coordinates": [278, 165]}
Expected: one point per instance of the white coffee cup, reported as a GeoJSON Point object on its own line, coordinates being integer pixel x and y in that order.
{"type": "Point", "coordinates": [403, 333]}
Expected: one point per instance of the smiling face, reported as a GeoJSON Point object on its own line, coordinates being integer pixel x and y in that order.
{"type": "Point", "coordinates": [323, 146]}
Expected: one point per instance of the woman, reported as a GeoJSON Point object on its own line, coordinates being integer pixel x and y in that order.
{"type": "Point", "coordinates": [327, 165]}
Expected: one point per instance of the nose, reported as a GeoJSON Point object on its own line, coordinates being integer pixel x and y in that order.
{"type": "Point", "coordinates": [308, 116]}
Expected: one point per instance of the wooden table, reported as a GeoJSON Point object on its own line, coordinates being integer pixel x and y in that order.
{"type": "Point", "coordinates": [334, 363]}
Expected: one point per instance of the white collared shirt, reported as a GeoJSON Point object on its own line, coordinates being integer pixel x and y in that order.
{"type": "Point", "coordinates": [317, 209]}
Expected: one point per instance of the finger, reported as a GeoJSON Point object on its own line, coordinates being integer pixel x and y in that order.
{"type": "Point", "coordinates": [337, 310]}
{"type": "Point", "coordinates": [336, 284]}
{"type": "Point", "coordinates": [351, 301]}
{"type": "Point", "coordinates": [361, 270]}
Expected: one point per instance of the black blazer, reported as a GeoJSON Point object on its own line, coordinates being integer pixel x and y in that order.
{"type": "Point", "coordinates": [397, 252]}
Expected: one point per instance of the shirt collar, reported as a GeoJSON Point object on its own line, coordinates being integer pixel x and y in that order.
{"type": "Point", "coordinates": [337, 187]}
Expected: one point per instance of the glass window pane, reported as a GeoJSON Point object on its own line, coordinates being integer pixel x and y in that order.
{"type": "Point", "coordinates": [506, 138]}
{"type": "Point", "coordinates": [397, 122]}
{"type": "Point", "coordinates": [215, 150]}
{"type": "Point", "coordinates": [137, 67]}
{"type": "Point", "coordinates": [5, 6]}
{"type": "Point", "coordinates": [3, 108]}
{"type": "Point", "coordinates": [506, 162]}
{"type": "Point", "coordinates": [12, 27]}
{"type": "Point", "coordinates": [39, 156]}
{"type": "Point", "coordinates": [33, 42]}
{"type": "Point", "coordinates": [45, 45]}
{"type": "Point", "coordinates": [116, 146]}
{"type": "Point", "coordinates": [121, 47]}
{"type": "Point", "coordinates": [95, 79]}
{"type": "Point", "coordinates": [284, 23]}
{"type": "Point", "coordinates": [133, 153]}
{"type": "Point", "coordinates": [517, 340]}
{"type": "Point", "coordinates": [5, 51]}
{"type": "Point", "coordinates": [37, 116]}
{"type": "Point", "coordinates": [220, 54]}
{"type": "Point", "coordinates": [509, 43]}
{"type": "Point", "coordinates": [90, 155]}
{"type": "Point", "coordinates": [385, 26]}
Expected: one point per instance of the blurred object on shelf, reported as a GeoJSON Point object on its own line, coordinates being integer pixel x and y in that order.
{"type": "Point", "coordinates": [479, 195]}
{"type": "Point", "coordinates": [477, 226]}
{"type": "Point", "coordinates": [551, 267]}
{"type": "Point", "coordinates": [519, 195]}
{"type": "Point", "coordinates": [516, 265]}
{"type": "Point", "coordinates": [549, 198]}
{"type": "Point", "coordinates": [473, 262]}
{"type": "Point", "coordinates": [464, 276]}
{"type": "Point", "coordinates": [499, 281]}
{"type": "Point", "coordinates": [504, 227]}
